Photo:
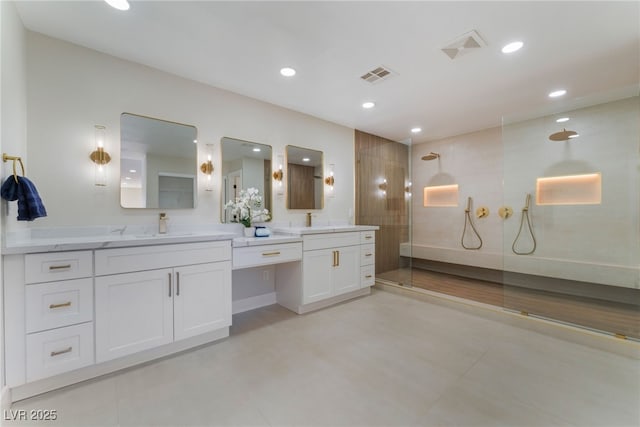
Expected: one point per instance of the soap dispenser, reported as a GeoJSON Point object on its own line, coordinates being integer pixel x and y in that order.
{"type": "Point", "coordinates": [162, 227]}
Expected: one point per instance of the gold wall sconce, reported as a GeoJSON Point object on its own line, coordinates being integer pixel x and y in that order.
{"type": "Point", "coordinates": [99, 156]}
{"type": "Point", "coordinates": [207, 168]}
{"type": "Point", "coordinates": [278, 174]}
{"type": "Point", "coordinates": [383, 186]}
{"type": "Point", "coordinates": [330, 180]}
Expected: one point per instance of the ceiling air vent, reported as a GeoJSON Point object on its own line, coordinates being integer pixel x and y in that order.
{"type": "Point", "coordinates": [376, 75]}
{"type": "Point", "coordinates": [464, 44]}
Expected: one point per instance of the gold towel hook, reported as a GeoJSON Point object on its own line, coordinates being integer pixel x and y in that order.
{"type": "Point", "coordinates": [6, 158]}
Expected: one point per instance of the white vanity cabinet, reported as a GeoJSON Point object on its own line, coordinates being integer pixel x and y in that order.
{"type": "Point", "coordinates": [140, 306]}
{"type": "Point", "coordinates": [335, 266]}
{"type": "Point", "coordinates": [58, 313]}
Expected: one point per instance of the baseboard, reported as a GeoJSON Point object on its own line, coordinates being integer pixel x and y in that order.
{"type": "Point", "coordinates": [87, 373]}
{"type": "Point", "coordinates": [5, 398]}
{"type": "Point", "coordinates": [306, 308]}
{"type": "Point", "coordinates": [563, 331]}
{"type": "Point", "coordinates": [246, 304]}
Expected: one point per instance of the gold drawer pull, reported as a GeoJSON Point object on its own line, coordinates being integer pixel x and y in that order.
{"type": "Point", "coordinates": [271, 253]}
{"type": "Point", "coordinates": [58, 353]}
{"type": "Point", "coordinates": [59, 267]}
{"type": "Point", "coordinates": [368, 254]}
{"type": "Point", "coordinates": [368, 276]}
{"type": "Point", "coordinates": [64, 304]}
{"type": "Point", "coordinates": [368, 237]}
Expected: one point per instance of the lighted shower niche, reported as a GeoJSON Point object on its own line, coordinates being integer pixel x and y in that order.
{"type": "Point", "coordinates": [569, 190]}
{"type": "Point", "coordinates": [441, 196]}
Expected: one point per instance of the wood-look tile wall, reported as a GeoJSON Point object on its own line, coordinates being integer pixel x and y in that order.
{"type": "Point", "coordinates": [377, 159]}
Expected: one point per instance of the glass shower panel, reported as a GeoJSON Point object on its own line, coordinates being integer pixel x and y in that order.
{"type": "Point", "coordinates": [572, 246]}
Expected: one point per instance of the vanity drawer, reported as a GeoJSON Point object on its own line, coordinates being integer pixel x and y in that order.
{"type": "Point", "coordinates": [367, 254]}
{"type": "Point", "coordinates": [252, 256]}
{"type": "Point", "coordinates": [368, 236]}
{"type": "Point", "coordinates": [330, 240]}
{"type": "Point", "coordinates": [367, 276]}
{"type": "Point", "coordinates": [55, 266]}
{"type": "Point", "coordinates": [56, 304]}
{"type": "Point", "coordinates": [125, 260]}
{"type": "Point", "coordinates": [59, 350]}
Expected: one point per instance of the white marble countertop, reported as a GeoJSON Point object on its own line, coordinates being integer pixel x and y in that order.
{"type": "Point", "coordinates": [319, 229]}
{"type": "Point", "coordinates": [87, 238]}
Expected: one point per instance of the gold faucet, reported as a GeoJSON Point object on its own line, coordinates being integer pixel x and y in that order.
{"type": "Point", "coordinates": [162, 226]}
{"type": "Point", "coordinates": [308, 219]}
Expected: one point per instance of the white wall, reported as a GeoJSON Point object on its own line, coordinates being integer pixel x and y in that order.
{"type": "Point", "coordinates": [592, 243]}
{"type": "Point", "coordinates": [13, 120]}
{"type": "Point", "coordinates": [71, 88]}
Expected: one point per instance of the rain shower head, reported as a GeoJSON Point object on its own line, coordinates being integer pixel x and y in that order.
{"type": "Point", "coordinates": [431, 156]}
{"type": "Point", "coordinates": [563, 135]}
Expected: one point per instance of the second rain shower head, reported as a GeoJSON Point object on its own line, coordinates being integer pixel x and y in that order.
{"type": "Point", "coordinates": [431, 156]}
{"type": "Point", "coordinates": [563, 135]}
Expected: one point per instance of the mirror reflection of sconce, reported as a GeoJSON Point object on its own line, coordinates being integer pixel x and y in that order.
{"type": "Point", "coordinates": [383, 186]}
{"type": "Point", "coordinates": [99, 156]}
{"type": "Point", "coordinates": [407, 190]}
{"type": "Point", "coordinates": [207, 168]}
{"type": "Point", "coordinates": [278, 174]}
{"type": "Point", "coordinates": [330, 180]}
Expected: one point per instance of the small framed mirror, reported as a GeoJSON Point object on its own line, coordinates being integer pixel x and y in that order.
{"type": "Point", "coordinates": [245, 165]}
{"type": "Point", "coordinates": [158, 163]}
{"type": "Point", "coordinates": [305, 183]}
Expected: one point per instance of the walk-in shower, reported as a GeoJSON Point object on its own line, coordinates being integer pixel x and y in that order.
{"type": "Point", "coordinates": [563, 258]}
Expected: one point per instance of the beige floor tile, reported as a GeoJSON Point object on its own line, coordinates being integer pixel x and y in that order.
{"type": "Point", "coordinates": [382, 360]}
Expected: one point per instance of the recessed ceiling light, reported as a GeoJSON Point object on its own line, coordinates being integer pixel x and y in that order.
{"type": "Point", "coordinates": [195, 141]}
{"type": "Point", "coordinates": [305, 159]}
{"type": "Point", "coordinates": [256, 149]}
{"type": "Point", "coordinates": [288, 72]}
{"type": "Point", "coordinates": [557, 93]}
{"type": "Point", "coordinates": [118, 4]}
{"type": "Point", "coordinates": [132, 171]}
{"type": "Point", "coordinates": [416, 130]}
{"type": "Point", "coordinates": [562, 120]}
{"type": "Point", "coordinates": [512, 47]}
{"type": "Point", "coordinates": [368, 104]}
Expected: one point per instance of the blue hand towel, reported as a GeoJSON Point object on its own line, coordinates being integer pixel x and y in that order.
{"type": "Point", "coordinates": [24, 191]}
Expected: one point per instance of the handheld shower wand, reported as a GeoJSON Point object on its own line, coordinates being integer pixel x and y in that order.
{"type": "Point", "coordinates": [467, 219]}
{"type": "Point", "coordinates": [523, 217]}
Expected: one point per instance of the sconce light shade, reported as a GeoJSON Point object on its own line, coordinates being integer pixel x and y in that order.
{"type": "Point", "coordinates": [330, 180]}
{"type": "Point", "coordinates": [99, 156]}
{"type": "Point", "coordinates": [278, 175]}
{"type": "Point", "coordinates": [207, 168]}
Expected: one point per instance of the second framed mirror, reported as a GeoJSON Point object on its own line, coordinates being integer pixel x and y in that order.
{"type": "Point", "coordinates": [305, 183]}
{"type": "Point", "coordinates": [245, 165]}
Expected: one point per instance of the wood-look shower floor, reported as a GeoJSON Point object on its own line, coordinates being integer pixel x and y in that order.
{"type": "Point", "coordinates": [591, 313]}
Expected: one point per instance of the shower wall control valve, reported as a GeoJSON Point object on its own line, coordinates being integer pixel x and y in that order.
{"type": "Point", "coordinates": [505, 212]}
{"type": "Point", "coordinates": [482, 212]}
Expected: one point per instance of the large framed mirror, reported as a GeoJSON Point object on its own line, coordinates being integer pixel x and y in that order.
{"type": "Point", "coordinates": [158, 163]}
{"type": "Point", "coordinates": [245, 164]}
{"type": "Point", "coordinates": [305, 183]}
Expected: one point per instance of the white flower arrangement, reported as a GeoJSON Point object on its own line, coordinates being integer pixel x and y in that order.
{"type": "Point", "coordinates": [247, 208]}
